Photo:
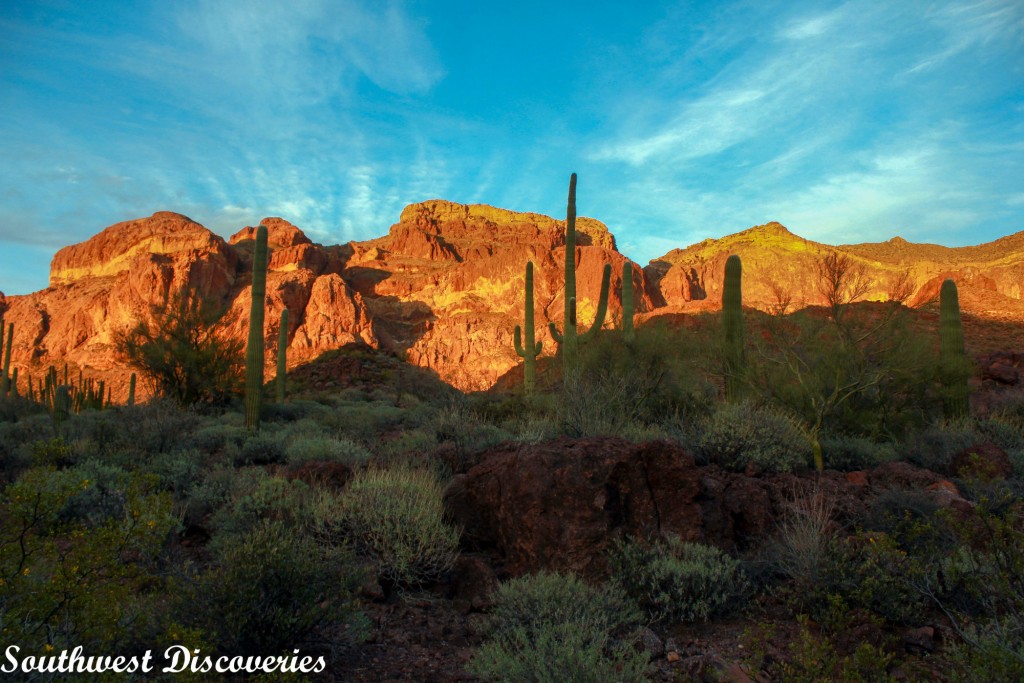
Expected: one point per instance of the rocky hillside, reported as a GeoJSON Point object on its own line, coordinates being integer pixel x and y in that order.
{"type": "Point", "coordinates": [990, 276]}
{"type": "Point", "coordinates": [444, 287]}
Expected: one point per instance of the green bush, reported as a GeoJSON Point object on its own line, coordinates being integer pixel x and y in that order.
{"type": "Point", "coordinates": [934, 447]}
{"type": "Point", "coordinates": [621, 385]}
{"type": "Point", "coordinates": [16, 439]}
{"type": "Point", "coordinates": [396, 518]}
{"type": "Point", "coordinates": [675, 581]}
{"type": "Point", "coordinates": [179, 472]}
{"type": "Point", "coordinates": [463, 427]}
{"type": "Point", "coordinates": [257, 496]}
{"type": "Point", "coordinates": [325, 449]}
{"type": "Point", "coordinates": [77, 548]}
{"type": "Point", "coordinates": [272, 590]}
{"type": "Point", "coordinates": [262, 448]}
{"type": "Point", "coordinates": [740, 434]}
{"type": "Point", "coordinates": [549, 628]}
{"type": "Point", "coordinates": [219, 439]}
{"type": "Point", "coordinates": [848, 453]}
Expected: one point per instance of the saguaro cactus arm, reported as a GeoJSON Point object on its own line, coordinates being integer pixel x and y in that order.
{"type": "Point", "coordinates": [531, 350]}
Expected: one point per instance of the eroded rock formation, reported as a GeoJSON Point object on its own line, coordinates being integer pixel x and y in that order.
{"type": "Point", "coordinates": [444, 287]}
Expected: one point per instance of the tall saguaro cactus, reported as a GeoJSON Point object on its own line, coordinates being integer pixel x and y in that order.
{"type": "Point", "coordinates": [732, 325]}
{"type": "Point", "coordinates": [282, 357]}
{"type": "Point", "coordinates": [570, 338]}
{"type": "Point", "coordinates": [5, 382]}
{"type": "Point", "coordinates": [254, 347]}
{"type": "Point", "coordinates": [531, 349]}
{"type": "Point", "coordinates": [131, 390]}
{"type": "Point", "coordinates": [953, 369]}
{"type": "Point", "coordinates": [627, 301]}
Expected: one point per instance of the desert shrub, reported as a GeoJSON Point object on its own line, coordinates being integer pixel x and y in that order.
{"type": "Point", "coordinates": [740, 434]}
{"type": "Point", "coordinates": [623, 384]}
{"type": "Point", "coordinates": [271, 590]}
{"type": "Point", "coordinates": [96, 433]}
{"type": "Point", "coordinates": [323, 448]}
{"type": "Point", "coordinates": [413, 443]}
{"type": "Point", "coordinates": [178, 472]}
{"type": "Point", "coordinates": [218, 439]}
{"type": "Point", "coordinates": [16, 439]}
{"type": "Point", "coordinates": [154, 427]}
{"type": "Point", "coordinates": [303, 429]}
{"type": "Point", "coordinates": [262, 448]}
{"type": "Point", "coordinates": [364, 422]}
{"type": "Point", "coordinates": [912, 519]}
{"type": "Point", "coordinates": [73, 544]}
{"type": "Point", "coordinates": [52, 453]}
{"type": "Point", "coordinates": [990, 651]}
{"type": "Point", "coordinates": [934, 447]}
{"type": "Point", "coordinates": [800, 550]}
{"type": "Point", "coordinates": [258, 496]}
{"type": "Point", "coordinates": [847, 453]}
{"type": "Point", "coordinates": [553, 627]}
{"type": "Point", "coordinates": [460, 425]}
{"type": "Point", "coordinates": [181, 353]}
{"type": "Point", "coordinates": [396, 518]}
{"type": "Point", "coordinates": [294, 411]}
{"type": "Point", "coordinates": [873, 572]}
{"type": "Point", "coordinates": [675, 581]}
{"type": "Point", "coordinates": [981, 589]}
{"type": "Point", "coordinates": [813, 655]}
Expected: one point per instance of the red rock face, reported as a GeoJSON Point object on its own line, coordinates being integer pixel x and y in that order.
{"type": "Point", "coordinates": [445, 287]}
{"type": "Point", "coordinates": [777, 263]}
{"type": "Point", "coordinates": [116, 278]}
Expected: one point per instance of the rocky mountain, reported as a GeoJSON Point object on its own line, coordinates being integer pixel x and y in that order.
{"type": "Point", "coordinates": [444, 287]}
{"type": "Point", "coordinates": [778, 263]}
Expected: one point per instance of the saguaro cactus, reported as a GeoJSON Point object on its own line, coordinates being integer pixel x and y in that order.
{"type": "Point", "coordinates": [953, 368]}
{"type": "Point", "coordinates": [732, 326]}
{"type": "Point", "coordinates": [5, 382]}
{"type": "Point", "coordinates": [254, 346]}
{"type": "Point", "coordinates": [61, 405]}
{"type": "Point", "coordinates": [531, 349]}
{"type": "Point", "coordinates": [627, 301]}
{"type": "Point", "coordinates": [131, 390]}
{"type": "Point", "coordinates": [282, 357]}
{"type": "Point", "coordinates": [570, 338]}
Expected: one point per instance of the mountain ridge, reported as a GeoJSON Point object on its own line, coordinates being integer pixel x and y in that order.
{"type": "Point", "coordinates": [444, 286]}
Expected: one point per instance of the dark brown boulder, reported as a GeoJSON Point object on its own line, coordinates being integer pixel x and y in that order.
{"type": "Point", "coordinates": [560, 505]}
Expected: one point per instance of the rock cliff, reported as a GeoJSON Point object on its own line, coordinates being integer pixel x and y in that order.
{"type": "Point", "coordinates": [444, 287]}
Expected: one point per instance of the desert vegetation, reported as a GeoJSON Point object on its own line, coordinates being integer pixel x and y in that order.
{"type": "Point", "coordinates": [838, 509]}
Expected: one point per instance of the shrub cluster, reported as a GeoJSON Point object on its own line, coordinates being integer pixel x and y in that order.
{"type": "Point", "coordinates": [554, 627]}
{"type": "Point", "coordinates": [674, 581]}
{"type": "Point", "coordinates": [740, 434]}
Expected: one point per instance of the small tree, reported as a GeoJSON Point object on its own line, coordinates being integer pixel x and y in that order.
{"type": "Point", "coordinates": [182, 353]}
{"type": "Point", "coordinates": [855, 361]}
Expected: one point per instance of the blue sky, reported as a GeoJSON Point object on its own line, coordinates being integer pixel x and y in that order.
{"type": "Point", "coordinates": [846, 121]}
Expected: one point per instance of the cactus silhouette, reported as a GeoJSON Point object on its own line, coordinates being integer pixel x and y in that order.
{"type": "Point", "coordinates": [61, 405]}
{"type": "Point", "coordinates": [953, 368]}
{"type": "Point", "coordinates": [531, 349]}
{"type": "Point", "coordinates": [131, 390]}
{"type": "Point", "coordinates": [732, 326]}
{"type": "Point", "coordinates": [254, 347]}
{"type": "Point", "coordinates": [569, 339]}
{"type": "Point", "coordinates": [282, 357]}
{"type": "Point", "coordinates": [627, 301]}
{"type": "Point", "coordinates": [5, 381]}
